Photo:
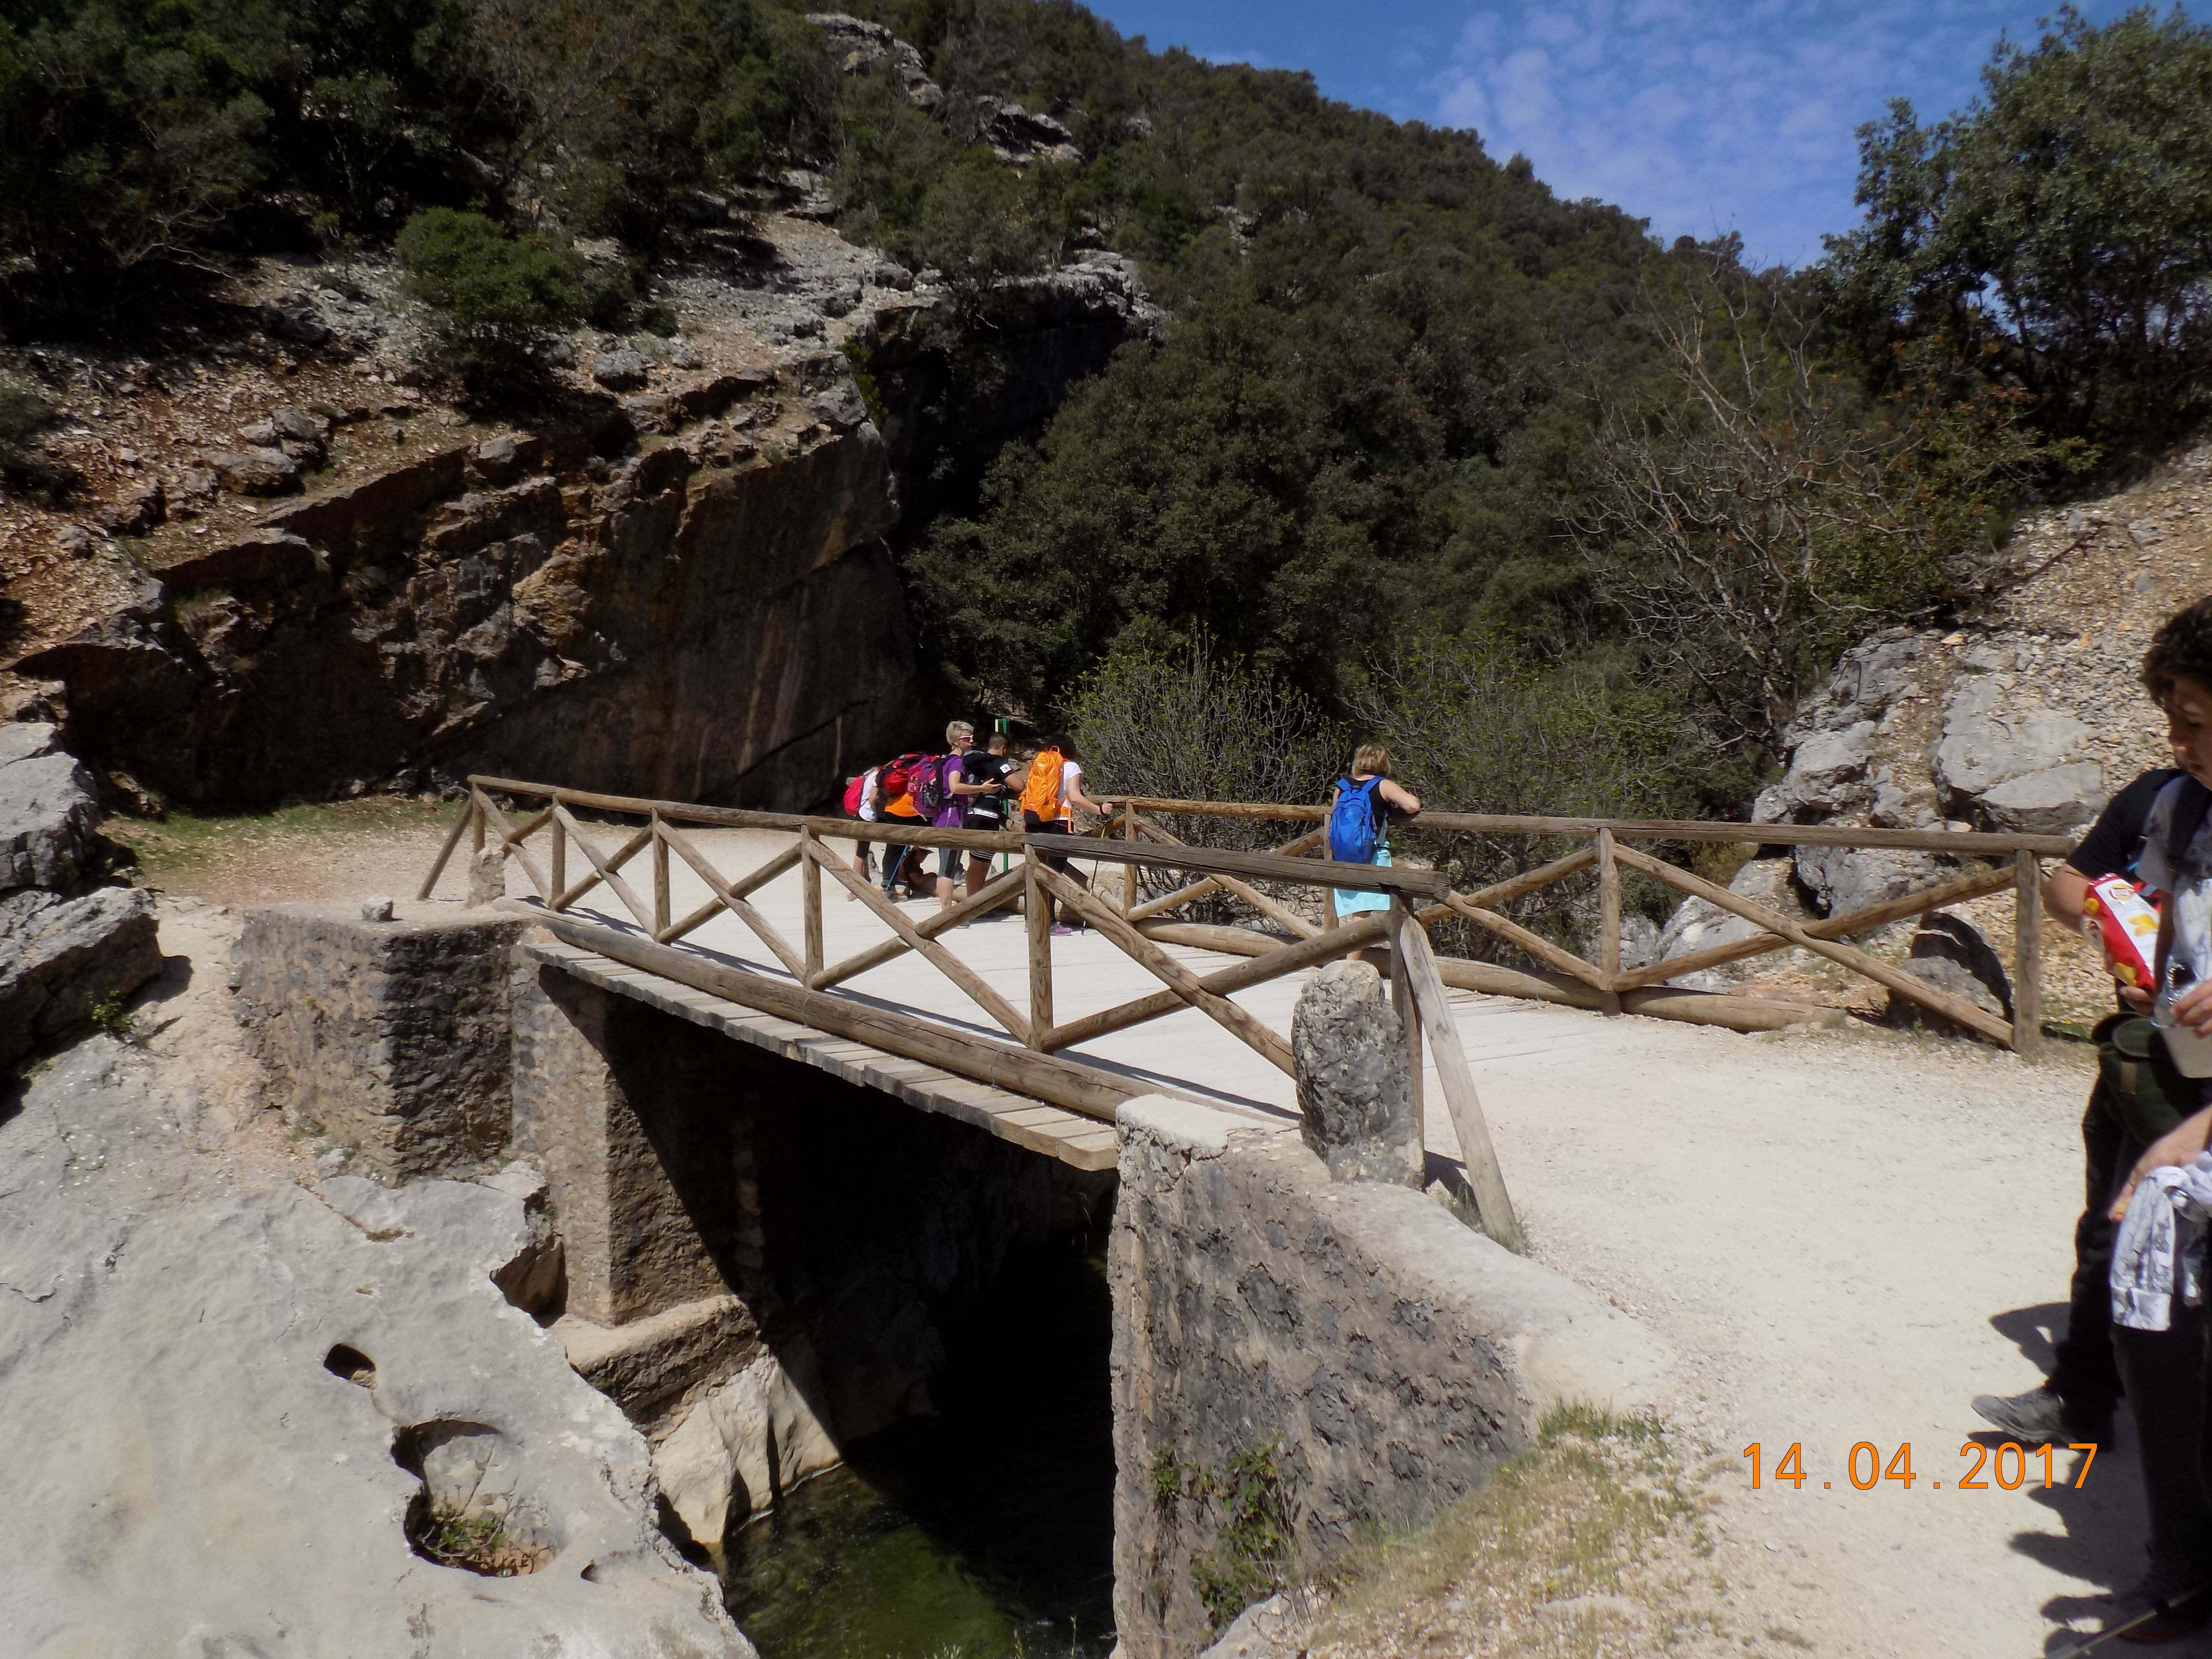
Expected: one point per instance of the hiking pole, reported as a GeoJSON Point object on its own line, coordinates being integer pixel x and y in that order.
{"type": "Point", "coordinates": [2158, 1609]}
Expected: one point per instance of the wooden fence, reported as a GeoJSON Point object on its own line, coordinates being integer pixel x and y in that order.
{"type": "Point", "coordinates": [2016, 861]}
{"type": "Point", "coordinates": [548, 842]}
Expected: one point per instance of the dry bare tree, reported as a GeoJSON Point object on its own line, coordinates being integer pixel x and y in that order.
{"type": "Point", "coordinates": [1753, 513]}
{"type": "Point", "coordinates": [561, 63]}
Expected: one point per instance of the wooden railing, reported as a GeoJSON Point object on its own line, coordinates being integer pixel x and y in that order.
{"type": "Point", "coordinates": [2017, 859]}
{"type": "Point", "coordinates": [1029, 1061]}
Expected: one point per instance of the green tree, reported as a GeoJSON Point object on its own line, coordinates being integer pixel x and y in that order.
{"type": "Point", "coordinates": [2058, 232]}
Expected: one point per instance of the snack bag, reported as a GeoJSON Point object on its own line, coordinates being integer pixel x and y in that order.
{"type": "Point", "coordinates": [2128, 924]}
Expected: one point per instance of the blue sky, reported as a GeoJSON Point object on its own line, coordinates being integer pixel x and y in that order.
{"type": "Point", "coordinates": [1727, 115]}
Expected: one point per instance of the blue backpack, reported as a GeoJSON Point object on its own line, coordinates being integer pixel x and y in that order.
{"type": "Point", "coordinates": [1352, 830]}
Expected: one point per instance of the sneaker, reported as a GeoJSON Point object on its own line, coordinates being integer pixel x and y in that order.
{"type": "Point", "coordinates": [2164, 1607]}
{"type": "Point", "coordinates": [1061, 930]}
{"type": "Point", "coordinates": [2040, 1417]}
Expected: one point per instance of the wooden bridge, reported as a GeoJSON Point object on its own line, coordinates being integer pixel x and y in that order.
{"type": "Point", "coordinates": [1046, 1036]}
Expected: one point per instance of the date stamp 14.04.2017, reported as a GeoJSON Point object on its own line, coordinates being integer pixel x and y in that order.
{"type": "Point", "coordinates": [2009, 1466]}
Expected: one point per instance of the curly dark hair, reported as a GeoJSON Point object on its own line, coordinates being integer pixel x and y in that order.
{"type": "Point", "coordinates": [2180, 650]}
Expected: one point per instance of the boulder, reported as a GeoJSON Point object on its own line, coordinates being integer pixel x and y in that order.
{"type": "Point", "coordinates": [1640, 941]}
{"type": "Point", "coordinates": [1952, 955]}
{"type": "Point", "coordinates": [619, 370]}
{"type": "Point", "coordinates": [1827, 775]}
{"type": "Point", "coordinates": [1993, 734]}
{"type": "Point", "coordinates": [2056, 801]}
{"type": "Point", "coordinates": [1842, 879]}
{"type": "Point", "coordinates": [49, 809]}
{"type": "Point", "coordinates": [742, 1447]}
{"type": "Point", "coordinates": [239, 1410]}
{"type": "Point", "coordinates": [841, 407]}
{"type": "Point", "coordinates": [1355, 1084]}
{"type": "Point", "coordinates": [141, 508]}
{"type": "Point", "coordinates": [1266, 1630]}
{"type": "Point", "coordinates": [255, 471]}
{"type": "Point", "coordinates": [60, 958]}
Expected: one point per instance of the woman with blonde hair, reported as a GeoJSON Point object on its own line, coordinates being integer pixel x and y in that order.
{"type": "Point", "coordinates": [1359, 812]}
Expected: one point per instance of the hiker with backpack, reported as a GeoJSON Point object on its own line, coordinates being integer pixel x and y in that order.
{"type": "Point", "coordinates": [864, 799]}
{"type": "Point", "coordinates": [953, 794]}
{"type": "Point", "coordinates": [897, 785]}
{"type": "Point", "coordinates": [982, 789]}
{"type": "Point", "coordinates": [2146, 1114]}
{"type": "Point", "coordinates": [1359, 812]}
{"type": "Point", "coordinates": [1050, 797]}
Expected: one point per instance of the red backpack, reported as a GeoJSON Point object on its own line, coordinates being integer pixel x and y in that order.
{"type": "Point", "coordinates": [898, 776]}
{"type": "Point", "coordinates": [855, 794]}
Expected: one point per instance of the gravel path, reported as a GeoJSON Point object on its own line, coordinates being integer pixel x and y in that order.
{"type": "Point", "coordinates": [1843, 1236]}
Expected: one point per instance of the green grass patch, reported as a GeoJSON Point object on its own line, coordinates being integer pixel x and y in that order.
{"type": "Point", "coordinates": [1597, 1507]}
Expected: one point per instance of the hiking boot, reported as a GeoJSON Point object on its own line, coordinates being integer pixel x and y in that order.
{"type": "Point", "coordinates": [2165, 1607]}
{"type": "Point", "coordinates": [2040, 1417]}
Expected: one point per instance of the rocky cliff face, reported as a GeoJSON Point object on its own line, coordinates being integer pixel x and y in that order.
{"type": "Point", "coordinates": [292, 570]}
{"type": "Point", "coordinates": [652, 604]}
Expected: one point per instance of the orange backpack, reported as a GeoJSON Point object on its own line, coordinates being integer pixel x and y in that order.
{"type": "Point", "coordinates": [1041, 794]}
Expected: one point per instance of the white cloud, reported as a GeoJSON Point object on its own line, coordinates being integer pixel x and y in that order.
{"type": "Point", "coordinates": [1705, 118]}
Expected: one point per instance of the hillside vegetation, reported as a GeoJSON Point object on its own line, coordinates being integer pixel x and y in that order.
{"type": "Point", "coordinates": [1423, 446]}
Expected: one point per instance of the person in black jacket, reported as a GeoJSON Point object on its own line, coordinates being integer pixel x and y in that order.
{"type": "Point", "coordinates": [2163, 1370]}
{"type": "Point", "coordinates": [2076, 1403]}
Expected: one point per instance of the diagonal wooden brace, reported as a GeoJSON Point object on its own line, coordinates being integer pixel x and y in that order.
{"type": "Point", "coordinates": [1167, 969]}
{"type": "Point", "coordinates": [1905, 985]}
{"type": "Point", "coordinates": [935, 954]}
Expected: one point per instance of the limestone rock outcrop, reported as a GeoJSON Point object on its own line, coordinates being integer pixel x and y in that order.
{"type": "Point", "coordinates": [1699, 925]}
{"type": "Point", "coordinates": [2009, 758]}
{"type": "Point", "coordinates": [66, 945]}
{"type": "Point", "coordinates": [738, 1449]}
{"type": "Point", "coordinates": [248, 1418]}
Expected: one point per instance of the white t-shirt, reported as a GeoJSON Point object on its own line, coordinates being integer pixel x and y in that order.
{"type": "Point", "coordinates": [2189, 883]}
{"type": "Point", "coordinates": [868, 794]}
{"type": "Point", "coordinates": [1070, 775]}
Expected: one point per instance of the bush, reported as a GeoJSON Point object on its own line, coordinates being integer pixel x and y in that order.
{"type": "Point", "coordinates": [500, 298]}
{"type": "Point", "coordinates": [24, 413]}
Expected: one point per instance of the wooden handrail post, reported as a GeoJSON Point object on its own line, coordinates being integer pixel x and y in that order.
{"type": "Point", "coordinates": [476, 820]}
{"type": "Point", "coordinates": [1036, 912]}
{"type": "Point", "coordinates": [560, 858]}
{"type": "Point", "coordinates": [1408, 1008]}
{"type": "Point", "coordinates": [2026, 952]}
{"type": "Point", "coordinates": [1609, 919]}
{"type": "Point", "coordinates": [659, 878]}
{"type": "Point", "coordinates": [1128, 871]}
{"type": "Point", "coordinates": [810, 898]}
{"type": "Point", "coordinates": [1456, 1078]}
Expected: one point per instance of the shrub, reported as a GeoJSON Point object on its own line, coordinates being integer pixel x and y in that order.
{"type": "Point", "coordinates": [24, 413]}
{"type": "Point", "coordinates": [501, 297]}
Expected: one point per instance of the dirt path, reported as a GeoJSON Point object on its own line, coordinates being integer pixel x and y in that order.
{"type": "Point", "coordinates": [1841, 1236]}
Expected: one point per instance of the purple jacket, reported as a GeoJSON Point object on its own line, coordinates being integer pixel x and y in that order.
{"type": "Point", "coordinates": [954, 812]}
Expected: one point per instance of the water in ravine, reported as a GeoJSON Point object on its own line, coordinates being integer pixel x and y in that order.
{"type": "Point", "coordinates": [986, 1532]}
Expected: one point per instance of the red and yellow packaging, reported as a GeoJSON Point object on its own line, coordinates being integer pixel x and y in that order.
{"type": "Point", "coordinates": [2128, 924]}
